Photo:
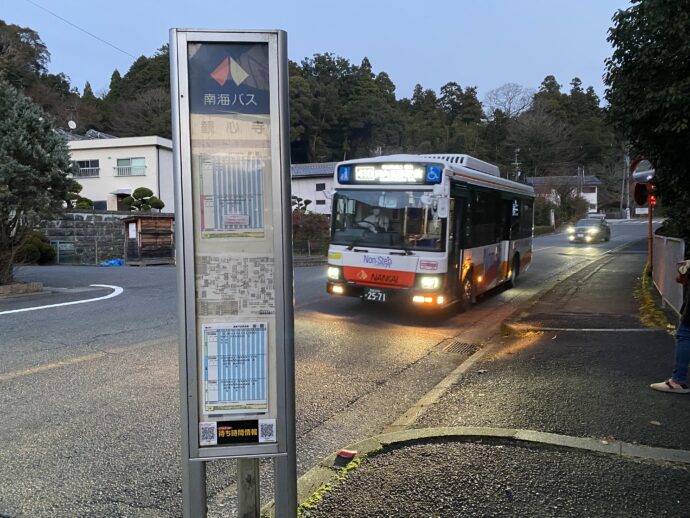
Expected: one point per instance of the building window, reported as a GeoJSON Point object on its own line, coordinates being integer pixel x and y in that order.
{"type": "Point", "coordinates": [100, 205]}
{"type": "Point", "coordinates": [320, 187]}
{"type": "Point", "coordinates": [87, 168]}
{"type": "Point", "coordinates": [321, 202]}
{"type": "Point", "coordinates": [130, 167]}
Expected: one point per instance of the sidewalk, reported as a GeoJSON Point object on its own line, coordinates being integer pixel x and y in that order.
{"type": "Point", "coordinates": [570, 426]}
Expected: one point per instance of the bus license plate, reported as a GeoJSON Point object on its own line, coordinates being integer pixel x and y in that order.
{"type": "Point", "coordinates": [374, 295]}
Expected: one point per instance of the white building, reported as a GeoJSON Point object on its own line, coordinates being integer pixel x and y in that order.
{"type": "Point", "coordinates": [585, 186]}
{"type": "Point", "coordinates": [311, 182]}
{"type": "Point", "coordinates": [110, 169]}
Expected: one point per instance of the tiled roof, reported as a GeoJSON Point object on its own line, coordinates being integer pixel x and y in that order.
{"type": "Point", "coordinates": [323, 169]}
{"type": "Point", "coordinates": [562, 180]}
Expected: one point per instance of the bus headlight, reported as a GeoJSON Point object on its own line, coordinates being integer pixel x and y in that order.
{"type": "Point", "coordinates": [430, 282]}
{"type": "Point", "coordinates": [333, 273]}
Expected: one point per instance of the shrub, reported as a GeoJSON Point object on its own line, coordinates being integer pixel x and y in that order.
{"type": "Point", "coordinates": [35, 249]}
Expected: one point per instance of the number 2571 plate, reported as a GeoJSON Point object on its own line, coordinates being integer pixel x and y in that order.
{"type": "Point", "coordinates": [374, 295]}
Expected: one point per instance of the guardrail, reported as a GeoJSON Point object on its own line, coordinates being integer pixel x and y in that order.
{"type": "Point", "coordinates": [668, 252]}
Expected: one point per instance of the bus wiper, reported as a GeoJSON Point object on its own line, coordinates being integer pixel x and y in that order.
{"type": "Point", "coordinates": [354, 244]}
{"type": "Point", "coordinates": [406, 251]}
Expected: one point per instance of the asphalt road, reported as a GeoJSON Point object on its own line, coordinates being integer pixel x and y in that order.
{"type": "Point", "coordinates": [89, 391]}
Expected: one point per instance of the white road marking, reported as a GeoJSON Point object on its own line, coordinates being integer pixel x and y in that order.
{"type": "Point", "coordinates": [116, 291]}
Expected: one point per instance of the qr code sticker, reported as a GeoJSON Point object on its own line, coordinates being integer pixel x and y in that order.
{"type": "Point", "coordinates": [208, 434]}
{"type": "Point", "coordinates": [267, 430]}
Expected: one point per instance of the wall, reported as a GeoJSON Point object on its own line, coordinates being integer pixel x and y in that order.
{"type": "Point", "coordinates": [166, 191]}
{"type": "Point", "coordinates": [306, 188]}
{"type": "Point", "coordinates": [93, 236]}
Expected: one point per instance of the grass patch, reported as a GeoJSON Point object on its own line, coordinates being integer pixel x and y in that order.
{"type": "Point", "coordinates": [313, 501]}
{"type": "Point", "coordinates": [650, 313]}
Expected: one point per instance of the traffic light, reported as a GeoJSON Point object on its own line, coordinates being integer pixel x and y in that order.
{"type": "Point", "coordinates": [640, 193]}
{"type": "Point", "coordinates": [643, 192]}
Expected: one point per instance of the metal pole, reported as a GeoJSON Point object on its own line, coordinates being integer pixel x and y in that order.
{"type": "Point", "coordinates": [286, 465]}
{"type": "Point", "coordinates": [627, 185]}
{"type": "Point", "coordinates": [248, 488]}
{"type": "Point", "coordinates": [193, 487]}
{"type": "Point", "coordinates": [650, 241]}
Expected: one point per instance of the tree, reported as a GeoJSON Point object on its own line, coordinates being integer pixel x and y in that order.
{"type": "Point", "coordinates": [511, 99]}
{"type": "Point", "coordinates": [142, 199]}
{"type": "Point", "coordinates": [545, 143]}
{"type": "Point", "coordinates": [23, 56]}
{"type": "Point", "coordinates": [648, 79]}
{"type": "Point", "coordinates": [74, 200]}
{"type": "Point", "coordinates": [34, 168]}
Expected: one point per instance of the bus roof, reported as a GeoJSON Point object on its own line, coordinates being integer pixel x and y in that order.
{"type": "Point", "coordinates": [462, 168]}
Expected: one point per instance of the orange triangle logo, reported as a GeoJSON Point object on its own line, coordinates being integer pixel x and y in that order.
{"type": "Point", "coordinates": [222, 72]}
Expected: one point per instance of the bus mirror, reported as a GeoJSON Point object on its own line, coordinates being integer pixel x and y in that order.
{"type": "Point", "coordinates": [329, 194]}
{"type": "Point", "coordinates": [425, 199]}
{"type": "Point", "coordinates": [442, 209]}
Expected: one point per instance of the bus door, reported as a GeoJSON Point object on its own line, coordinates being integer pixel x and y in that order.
{"type": "Point", "coordinates": [456, 222]}
{"type": "Point", "coordinates": [509, 208]}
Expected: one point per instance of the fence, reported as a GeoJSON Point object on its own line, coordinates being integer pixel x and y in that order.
{"type": "Point", "coordinates": [668, 252]}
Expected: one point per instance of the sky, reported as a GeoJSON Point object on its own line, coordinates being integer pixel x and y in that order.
{"type": "Point", "coordinates": [482, 43]}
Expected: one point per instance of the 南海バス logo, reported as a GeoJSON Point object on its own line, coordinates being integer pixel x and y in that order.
{"type": "Point", "coordinates": [229, 69]}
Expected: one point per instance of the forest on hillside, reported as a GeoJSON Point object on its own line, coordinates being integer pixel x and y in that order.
{"type": "Point", "coordinates": [339, 109]}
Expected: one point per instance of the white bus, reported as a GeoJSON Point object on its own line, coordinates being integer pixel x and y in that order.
{"type": "Point", "coordinates": [433, 230]}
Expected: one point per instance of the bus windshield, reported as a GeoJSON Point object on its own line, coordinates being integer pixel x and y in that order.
{"type": "Point", "coordinates": [387, 219]}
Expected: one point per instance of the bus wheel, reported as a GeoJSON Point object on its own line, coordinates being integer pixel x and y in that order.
{"type": "Point", "coordinates": [514, 271]}
{"type": "Point", "coordinates": [467, 295]}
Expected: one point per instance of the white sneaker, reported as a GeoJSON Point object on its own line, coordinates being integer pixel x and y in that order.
{"type": "Point", "coordinates": [671, 386]}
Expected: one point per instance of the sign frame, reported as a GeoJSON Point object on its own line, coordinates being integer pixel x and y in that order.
{"type": "Point", "coordinates": [281, 385]}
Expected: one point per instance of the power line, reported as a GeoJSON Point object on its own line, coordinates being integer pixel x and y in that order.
{"type": "Point", "coordinates": [82, 30]}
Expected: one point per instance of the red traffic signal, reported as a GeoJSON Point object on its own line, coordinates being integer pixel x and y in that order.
{"type": "Point", "coordinates": [652, 200]}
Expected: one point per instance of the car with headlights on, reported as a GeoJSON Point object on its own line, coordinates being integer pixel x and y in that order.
{"type": "Point", "coordinates": [589, 230]}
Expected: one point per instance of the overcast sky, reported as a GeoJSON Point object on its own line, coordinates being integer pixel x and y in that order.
{"type": "Point", "coordinates": [483, 43]}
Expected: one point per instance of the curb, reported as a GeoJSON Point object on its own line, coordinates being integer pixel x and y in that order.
{"type": "Point", "coordinates": [308, 261]}
{"type": "Point", "coordinates": [332, 468]}
{"type": "Point", "coordinates": [18, 289]}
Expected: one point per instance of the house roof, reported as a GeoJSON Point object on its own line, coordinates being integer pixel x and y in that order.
{"type": "Point", "coordinates": [556, 181]}
{"type": "Point", "coordinates": [101, 143]}
{"type": "Point", "coordinates": [319, 170]}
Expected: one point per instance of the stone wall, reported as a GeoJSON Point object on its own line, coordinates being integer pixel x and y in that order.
{"type": "Point", "coordinates": [87, 237]}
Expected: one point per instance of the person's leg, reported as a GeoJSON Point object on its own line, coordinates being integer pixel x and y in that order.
{"type": "Point", "coordinates": [679, 379]}
{"type": "Point", "coordinates": [680, 373]}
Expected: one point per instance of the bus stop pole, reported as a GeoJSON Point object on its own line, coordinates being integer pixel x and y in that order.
{"type": "Point", "coordinates": [193, 488]}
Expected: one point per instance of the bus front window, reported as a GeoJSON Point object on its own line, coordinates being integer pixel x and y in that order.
{"type": "Point", "coordinates": [386, 219]}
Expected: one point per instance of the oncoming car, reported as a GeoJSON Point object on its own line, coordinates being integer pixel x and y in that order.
{"type": "Point", "coordinates": [589, 230]}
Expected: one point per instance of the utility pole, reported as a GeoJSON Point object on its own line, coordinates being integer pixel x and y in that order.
{"type": "Point", "coordinates": [516, 164]}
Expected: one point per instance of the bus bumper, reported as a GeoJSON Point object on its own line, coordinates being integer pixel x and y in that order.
{"type": "Point", "coordinates": [411, 297]}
